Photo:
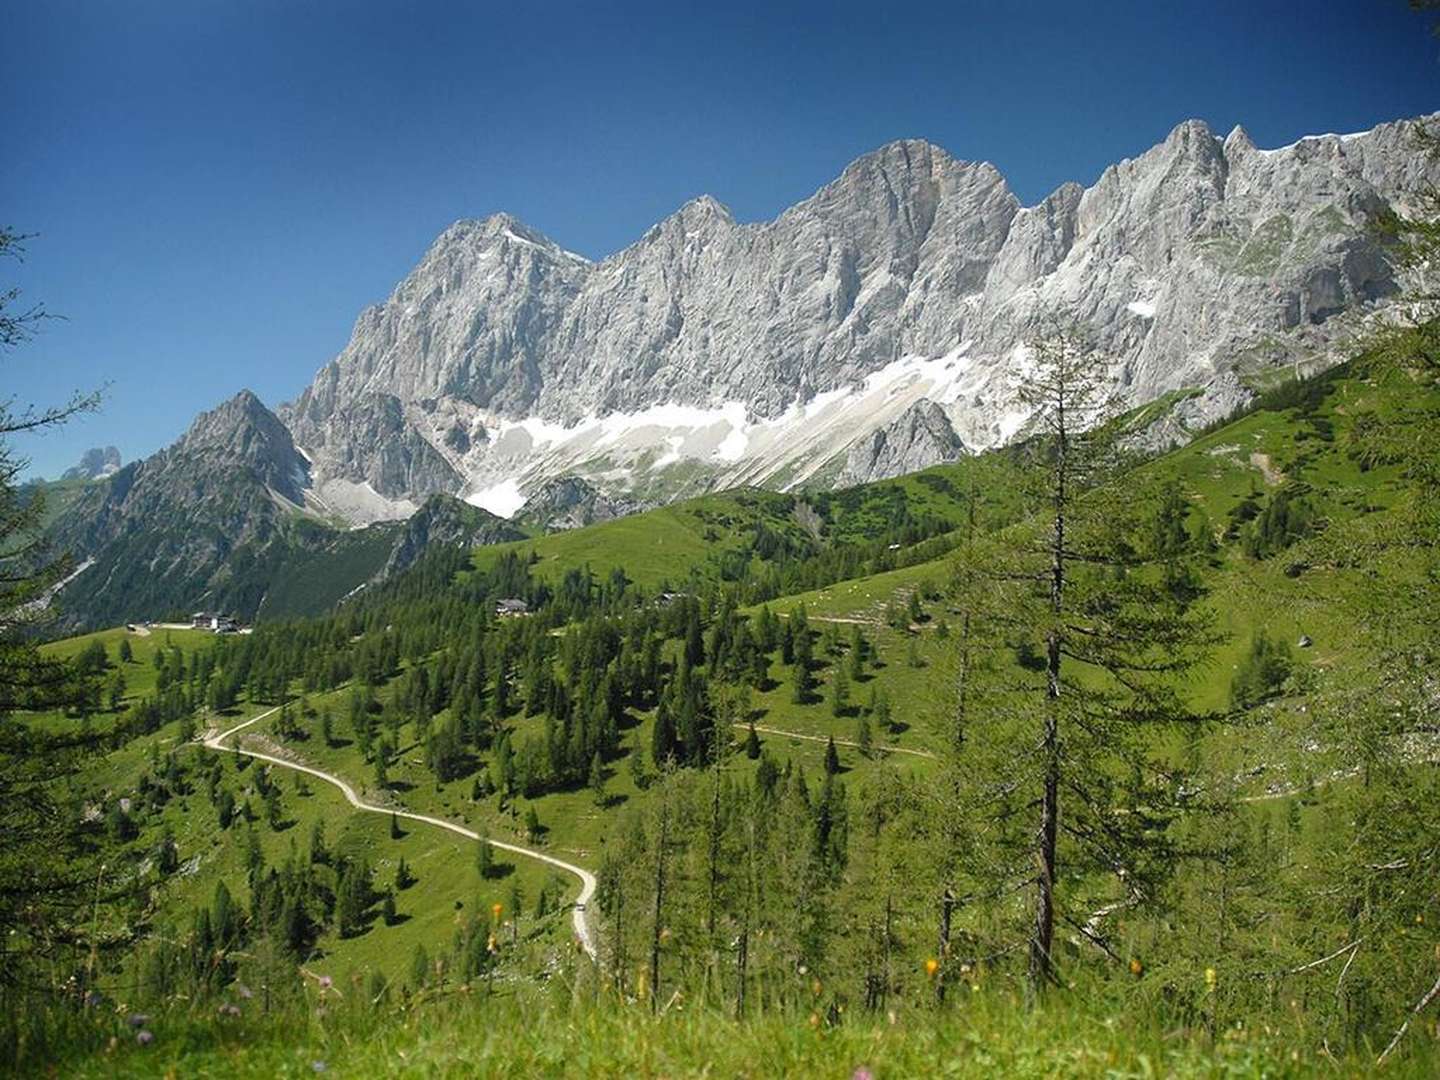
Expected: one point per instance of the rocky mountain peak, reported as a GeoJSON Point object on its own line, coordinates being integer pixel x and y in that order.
{"type": "Point", "coordinates": [702, 217]}
{"type": "Point", "coordinates": [242, 433]}
{"type": "Point", "coordinates": [1237, 143]}
{"type": "Point", "coordinates": [94, 463]}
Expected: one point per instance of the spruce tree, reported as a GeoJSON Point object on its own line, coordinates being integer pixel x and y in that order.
{"type": "Point", "coordinates": [804, 689]}
{"type": "Point", "coordinates": [597, 779]}
{"type": "Point", "coordinates": [484, 858]}
{"type": "Point", "coordinates": [839, 692]}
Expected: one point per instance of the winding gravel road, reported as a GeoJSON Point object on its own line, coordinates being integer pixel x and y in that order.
{"type": "Point", "coordinates": [581, 913]}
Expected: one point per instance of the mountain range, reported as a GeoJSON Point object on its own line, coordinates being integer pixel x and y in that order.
{"type": "Point", "coordinates": [877, 327]}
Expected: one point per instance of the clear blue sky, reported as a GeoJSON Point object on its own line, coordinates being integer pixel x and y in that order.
{"type": "Point", "coordinates": [220, 185]}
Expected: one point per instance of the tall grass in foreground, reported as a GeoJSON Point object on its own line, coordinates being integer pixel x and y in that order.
{"type": "Point", "coordinates": [568, 1031]}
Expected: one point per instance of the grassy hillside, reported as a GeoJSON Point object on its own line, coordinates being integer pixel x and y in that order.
{"type": "Point", "coordinates": [1269, 500]}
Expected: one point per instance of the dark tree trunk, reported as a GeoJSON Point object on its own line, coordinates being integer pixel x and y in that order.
{"type": "Point", "coordinates": [1043, 931]}
{"type": "Point", "coordinates": [942, 951]}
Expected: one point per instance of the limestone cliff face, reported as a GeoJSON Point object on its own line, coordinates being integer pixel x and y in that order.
{"type": "Point", "coordinates": [503, 358]}
{"type": "Point", "coordinates": [920, 437]}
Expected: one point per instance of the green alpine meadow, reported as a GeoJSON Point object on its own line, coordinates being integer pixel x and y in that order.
{"type": "Point", "coordinates": [935, 629]}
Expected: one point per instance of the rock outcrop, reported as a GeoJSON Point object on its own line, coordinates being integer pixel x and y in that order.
{"type": "Point", "coordinates": [921, 436]}
{"type": "Point", "coordinates": [568, 502]}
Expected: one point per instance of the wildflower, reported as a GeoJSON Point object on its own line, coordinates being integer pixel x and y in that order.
{"type": "Point", "coordinates": [803, 969]}
{"type": "Point", "coordinates": [814, 1020]}
{"type": "Point", "coordinates": [815, 987]}
{"type": "Point", "coordinates": [326, 982]}
{"type": "Point", "coordinates": [1136, 968]}
{"type": "Point", "coordinates": [931, 967]}
{"type": "Point", "coordinates": [490, 945]}
{"type": "Point", "coordinates": [318, 1066]}
{"type": "Point", "coordinates": [1211, 979]}
{"type": "Point", "coordinates": [137, 1020]}
{"type": "Point", "coordinates": [244, 991]}
{"type": "Point", "coordinates": [495, 910]}
{"type": "Point", "coordinates": [144, 1036]}
{"type": "Point", "coordinates": [862, 1073]}
{"type": "Point", "coordinates": [229, 1009]}
{"type": "Point", "coordinates": [93, 999]}
{"type": "Point", "coordinates": [1419, 920]}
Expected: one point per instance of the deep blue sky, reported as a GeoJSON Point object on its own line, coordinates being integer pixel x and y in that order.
{"type": "Point", "coordinates": [219, 187]}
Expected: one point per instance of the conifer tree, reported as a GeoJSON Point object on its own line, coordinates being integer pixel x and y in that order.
{"type": "Point", "coordinates": [804, 689]}
{"type": "Point", "coordinates": [484, 857]}
{"type": "Point", "coordinates": [839, 692]}
{"type": "Point", "coordinates": [597, 779]}
{"type": "Point", "coordinates": [1114, 641]}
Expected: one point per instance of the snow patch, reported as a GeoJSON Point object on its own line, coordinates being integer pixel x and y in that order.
{"type": "Point", "coordinates": [732, 447]}
{"type": "Point", "coordinates": [503, 499]}
{"type": "Point", "coordinates": [1144, 308]}
{"type": "Point", "coordinates": [1346, 137]}
{"type": "Point", "coordinates": [739, 449]}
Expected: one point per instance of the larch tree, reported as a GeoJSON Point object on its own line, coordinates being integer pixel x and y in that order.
{"type": "Point", "coordinates": [1059, 747]}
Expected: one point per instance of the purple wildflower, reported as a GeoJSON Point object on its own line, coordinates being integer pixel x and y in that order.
{"type": "Point", "coordinates": [137, 1020]}
{"type": "Point", "coordinates": [144, 1036]}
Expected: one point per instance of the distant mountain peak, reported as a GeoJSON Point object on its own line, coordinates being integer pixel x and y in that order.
{"type": "Point", "coordinates": [95, 463]}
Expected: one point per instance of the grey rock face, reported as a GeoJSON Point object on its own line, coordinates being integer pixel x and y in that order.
{"type": "Point", "coordinates": [920, 437]}
{"type": "Point", "coordinates": [94, 463]}
{"type": "Point", "coordinates": [568, 502]}
{"type": "Point", "coordinates": [1225, 396]}
{"type": "Point", "coordinates": [1201, 255]}
{"type": "Point", "coordinates": [446, 520]}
